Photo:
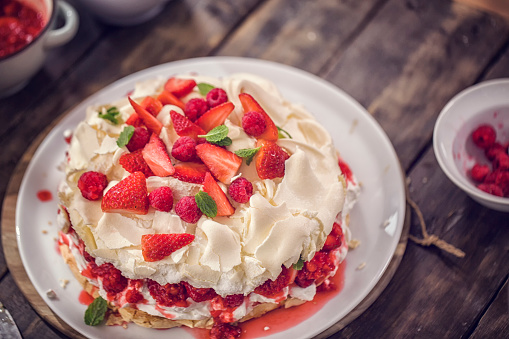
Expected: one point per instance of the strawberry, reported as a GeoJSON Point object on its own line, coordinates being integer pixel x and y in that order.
{"type": "Point", "coordinates": [134, 120]}
{"type": "Point", "coordinates": [157, 157]}
{"type": "Point", "coordinates": [179, 87]}
{"type": "Point", "coordinates": [152, 105]}
{"type": "Point", "coordinates": [152, 124]}
{"type": "Point", "coordinates": [224, 208]}
{"type": "Point", "coordinates": [215, 116]}
{"type": "Point", "coordinates": [155, 247]}
{"type": "Point", "coordinates": [129, 195]}
{"type": "Point", "coordinates": [345, 169]}
{"type": "Point", "coordinates": [249, 104]}
{"type": "Point", "coordinates": [185, 127]}
{"type": "Point", "coordinates": [134, 162]}
{"type": "Point", "coordinates": [166, 98]}
{"type": "Point", "coordinates": [270, 161]}
{"type": "Point", "coordinates": [190, 172]}
{"type": "Point", "coordinates": [222, 163]}
{"type": "Point", "coordinates": [271, 287]}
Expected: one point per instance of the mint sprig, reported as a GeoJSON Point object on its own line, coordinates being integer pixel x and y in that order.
{"type": "Point", "coordinates": [298, 265]}
{"type": "Point", "coordinates": [206, 204]}
{"type": "Point", "coordinates": [204, 88]}
{"type": "Point", "coordinates": [110, 115]}
{"type": "Point", "coordinates": [95, 312]}
{"type": "Point", "coordinates": [282, 133]}
{"type": "Point", "coordinates": [218, 135]}
{"type": "Point", "coordinates": [125, 136]}
{"type": "Point", "coordinates": [247, 153]}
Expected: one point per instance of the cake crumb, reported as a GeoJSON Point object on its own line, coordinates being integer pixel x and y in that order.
{"type": "Point", "coordinates": [353, 244]}
{"type": "Point", "coordinates": [361, 266]}
{"type": "Point", "coordinates": [386, 223]}
{"type": "Point", "coordinates": [266, 328]}
{"type": "Point", "coordinates": [64, 282]}
{"type": "Point", "coordinates": [50, 223]}
{"type": "Point", "coordinates": [44, 232]}
{"type": "Point", "coordinates": [424, 180]}
{"type": "Point", "coordinates": [51, 294]}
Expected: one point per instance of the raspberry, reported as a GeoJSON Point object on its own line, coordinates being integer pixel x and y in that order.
{"type": "Point", "coordinates": [491, 189]}
{"type": "Point", "coordinates": [92, 185]}
{"type": "Point", "coordinates": [241, 190]}
{"type": "Point", "coordinates": [199, 294]}
{"type": "Point", "coordinates": [216, 96]}
{"type": "Point", "coordinates": [224, 331]}
{"type": "Point", "coordinates": [334, 239]}
{"type": "Point", "coordinates": [133, 296]}
{"type": "Point", "coordinates": [139, 139]}
{"type": "Point", "coordinates": [184, 149]}
{"type": "Point", "coordinates": [484, 136]}
{"type": "Point", "coordinates": [317, 268]}
{"type": "Point", "coordinates": [195, 108]}
{"type": "Point", "coordinates": [492, 151]}
{"type": "Point", "coordinates": [188, 210]}
{"type": "Point", "coordinates": [502, 181]}
{"type": "Point", "coordinates": [269, 288]}
{"type": "Point", "coordinates": [112, 280]}
{"type": "Point", "coordinates": [169, 294]}
{"type": "Point", "coordinates": [234, 300]}
{"type": "Point", "coordinates": [254, 123]}
{"type": "Point", "coordinates": [161, 199]}
{"type": "Point", "coordinates": [479, 172]}
{"type": "Point", "coordinates": [501, 162]}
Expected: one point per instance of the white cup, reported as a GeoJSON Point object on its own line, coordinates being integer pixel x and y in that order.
{"type": "Point", "coordinates": [17, 69]}
{"type": "Point", "coordinates": [124, 12]}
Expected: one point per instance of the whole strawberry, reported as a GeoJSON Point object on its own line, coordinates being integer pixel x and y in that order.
{"type": "Point", "coordinates": [270, 161]}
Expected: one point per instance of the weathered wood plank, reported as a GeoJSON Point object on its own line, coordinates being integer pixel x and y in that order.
{"type": "Point", "coordinates": [496, 320]}
{"type": "Point", "coordinates": [411, 59]}
{"type": "Point", "coordinates": [434, 294]}
{"type": "Point", "coordinates": [28, 322]}
{"type": "Point", "coordinates": [304, 34]}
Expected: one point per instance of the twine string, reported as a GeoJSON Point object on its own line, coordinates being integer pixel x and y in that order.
{"type": "Point", "coordinates": [428, 240]}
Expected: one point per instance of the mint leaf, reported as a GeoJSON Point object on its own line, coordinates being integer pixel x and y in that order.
{"type": "Point", "coordinates": [247, 153]}
{"type": "Point", "coordinates": [298, 265]}
{"type": "Point", "coordinates": [110, 115]}
{"type": "Point", "coordinates": [224, 142]}
{"type": "Point", "coordinates": [216, 134]}
{"type": "Point", "coordinates": [125, 136]}
{"type": "Point", "coordinates": [95, 312]}
{"type": "Point", "coordinates": [206, 204]}
{"type": "Point", "coordinates": [282, 132]}
{"type": "Point", "coordinates": [204, 88]}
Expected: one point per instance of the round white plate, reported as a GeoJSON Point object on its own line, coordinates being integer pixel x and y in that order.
{"type": "Point", "coordinates": [377, 219]}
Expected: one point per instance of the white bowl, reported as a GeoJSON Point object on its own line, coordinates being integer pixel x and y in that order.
{"type": "Point", "coordinates": [484, 103]}
{"type": "Point", "coordinates": [17, 68]}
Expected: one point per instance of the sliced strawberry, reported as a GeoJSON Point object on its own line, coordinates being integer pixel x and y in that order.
{"type": "Point", "coordinates": [224, 208]}
{"type": "Point", "coordinates": [129, 196]}
{"type": "Point", "coordinates": [179, 87]}
{"type": "Point", "coordinates": [134, 162]}
{"type": "Point", "coordinates": [134, 120]}
{"type": "Point", "coordinates": [215, 116]}
{"type": "Point", "coordinates": [166, 98]}
{"type": "Point", "coordinates": [222, 163]}
{"type": "Point", "coordinates": [152, 105]}
{"type": "Point", "coordinates": [270, 161]}
{"type": "Point", "coordinates": [157, 158]}
{"type": "Point", "coordinates": [152, 124]}
{"type": "Point", "coordinates": [185, 127]}
{"type": "Point", "coordinates": [155, 247]}
{"type": "Point", "coordinates": [190, 172]}
{"type": "Point", "coordinates": [249, 104]}
{"type": "Point", "coordinates": [347, 172]}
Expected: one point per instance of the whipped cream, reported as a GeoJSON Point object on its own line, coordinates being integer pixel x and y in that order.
{"type": "Point", "coordinates": [286, 219]}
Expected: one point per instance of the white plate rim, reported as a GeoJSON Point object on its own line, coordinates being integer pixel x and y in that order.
{"type": "Point", "coordinates": [240, 64]}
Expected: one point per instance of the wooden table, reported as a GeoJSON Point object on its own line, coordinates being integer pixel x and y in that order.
{"type": "Point", "coordinates": [401, 59]}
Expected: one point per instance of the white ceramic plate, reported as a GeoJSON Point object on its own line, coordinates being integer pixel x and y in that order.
{"type": "Point", "coordinates": [377, 219]}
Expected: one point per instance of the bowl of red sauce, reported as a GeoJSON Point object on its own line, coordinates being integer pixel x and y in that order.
{"type": "Point", "coordinates": [27, 31]}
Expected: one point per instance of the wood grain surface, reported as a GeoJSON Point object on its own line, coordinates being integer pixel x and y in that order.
{"type": "Point", "coordinates": [401, 59]}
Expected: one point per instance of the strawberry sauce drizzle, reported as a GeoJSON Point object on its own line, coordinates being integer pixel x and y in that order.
{"type": "Point", "coordinates": [44, 195]}
{"type": "Point", "coordinates": [282, 319]}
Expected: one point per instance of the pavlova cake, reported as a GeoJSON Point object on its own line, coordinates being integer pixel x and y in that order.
{"type": "Point", "coordinates": [202, 202]}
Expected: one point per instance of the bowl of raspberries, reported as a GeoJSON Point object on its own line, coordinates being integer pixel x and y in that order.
{"type": "Point", "coordinates": [471, 141]}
